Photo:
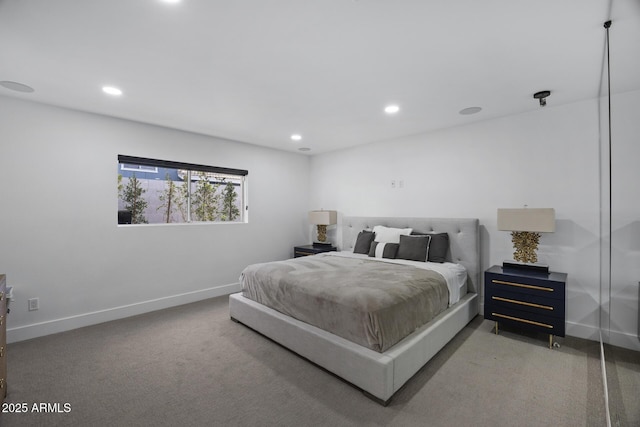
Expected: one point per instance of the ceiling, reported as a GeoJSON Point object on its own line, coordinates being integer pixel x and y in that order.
{"type": "Point", "coordinates": [259, 71]}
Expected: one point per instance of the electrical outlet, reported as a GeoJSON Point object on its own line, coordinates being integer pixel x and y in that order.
{"type": "Point", "coordinates": [34, 304]}
{"type": "Point", "coordinates": [393, 183]}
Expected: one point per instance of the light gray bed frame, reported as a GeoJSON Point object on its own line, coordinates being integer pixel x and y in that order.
{"type": "Point", "coordinates": [379, 375]}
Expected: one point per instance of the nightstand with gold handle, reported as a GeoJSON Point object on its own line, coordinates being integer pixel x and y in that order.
{"type": "Point", "coordinates": [528, 300]}
{"type": "Point", "coordinates": [305, 250]}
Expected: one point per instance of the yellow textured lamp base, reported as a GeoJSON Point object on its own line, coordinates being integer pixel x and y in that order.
{"type": "Point", "coordinates": [322, 233]}
{"type": "Point", "coordinates": [525, 244]}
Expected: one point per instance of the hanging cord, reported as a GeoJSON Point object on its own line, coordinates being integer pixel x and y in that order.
{"type": "Point", "coordinates": [607, 25]}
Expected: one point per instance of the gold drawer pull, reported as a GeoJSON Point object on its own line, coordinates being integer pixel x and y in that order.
{"type": "Point", "coordinates": [2, 351]}
{"type": "Point", "coordinates": [1, 296]}
{"type": "Point", "coordinates": [529, 304]}
{"type": "Point", "coordinates": [517, 319]}
{"type": "Point", "coordinates": [1, 383]}
{"type": "Point", "coordinates": [520, 285]}
{"type": "Point", "coordinates": [1, 320]}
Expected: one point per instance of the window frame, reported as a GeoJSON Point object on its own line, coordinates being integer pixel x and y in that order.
{"type": "Point", "coordinates": [190, 168]}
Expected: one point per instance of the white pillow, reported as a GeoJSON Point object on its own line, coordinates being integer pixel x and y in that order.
{"type": "Point", "coordinates": [390, 235]}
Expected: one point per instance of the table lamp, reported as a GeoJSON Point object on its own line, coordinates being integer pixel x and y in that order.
{"type": "Point", "coordinates": [321, 219]}
{"type": "Point", "coordinates": [525, 226]}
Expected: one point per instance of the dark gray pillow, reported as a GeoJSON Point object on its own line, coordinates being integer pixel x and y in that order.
{"type": "Point", "coordinates": [414, 248]}
{"type": "Point", "coordinates": [389, 251]}
{"type": "Point", "coordinates": [438, 247]}
{"type": "Point", "coordinates": [363, 242]}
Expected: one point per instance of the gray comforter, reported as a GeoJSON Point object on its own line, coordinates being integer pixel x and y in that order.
{"type": "Point", "coordinates": [372, 303]}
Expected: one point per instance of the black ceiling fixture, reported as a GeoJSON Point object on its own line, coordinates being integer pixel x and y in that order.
{"type": "Point", "coordinates": [542, 96]}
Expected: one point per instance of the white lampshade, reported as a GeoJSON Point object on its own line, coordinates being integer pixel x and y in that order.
{"type": "Point", "coordinates": [539, 220]}
{"type": "Point", "coordinates": [323, 217]}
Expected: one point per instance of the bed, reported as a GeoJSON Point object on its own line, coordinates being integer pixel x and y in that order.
{"type": "Point", "coordinates": [378, 372]}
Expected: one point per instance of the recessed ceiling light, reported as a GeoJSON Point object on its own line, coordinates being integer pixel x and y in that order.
{"type": "Point", "coordinates": [110, 90]}
{"type": "Point", "coordinates": [391, 109]}
{"type": "Point", "coordinates": [296, 137]}
{"type": "Point", "coordinates": [171, 1]}
{"type": "Point", "coordinates": [304, 149]}
{"type": "Point", "coordinates": [470, 110]}
{"type": "Point", "coordinates": [18, 87]}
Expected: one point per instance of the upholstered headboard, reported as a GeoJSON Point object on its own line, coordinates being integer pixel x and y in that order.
{"type": "Point", "coordinates": [464, 238]}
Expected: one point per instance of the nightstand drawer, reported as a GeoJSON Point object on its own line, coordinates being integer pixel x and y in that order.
{"type": "Point", "coordinates": [301, 252]}
{"type": "Point", "coordinates": [526, 299]}
{"type": "Point", "coordinates": [306, 250]}
{"type": "Point", "coordinates": [529, 285]}
{"type": "Point", "coordinates": [498, 297]}
{"type": "Point", "coordinates": [526, 320]}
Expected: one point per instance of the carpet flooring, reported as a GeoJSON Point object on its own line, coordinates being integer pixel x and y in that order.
{"type": "Point", "coordinates": [192, 366]}
{"type": "Point", "coordinates": [623, 383]}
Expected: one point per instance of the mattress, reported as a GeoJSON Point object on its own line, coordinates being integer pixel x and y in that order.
{"type": "Point", "coordinates": [371, 302]}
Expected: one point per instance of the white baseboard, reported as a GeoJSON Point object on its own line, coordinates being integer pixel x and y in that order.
{"type": "Point", "coordinates": [621, 339]}
{"type": "Point", "coordinates": [582, 331]}
{"type": "Point", "coordinates": [618, 339]}
{"type": "Point", "coordinates": [35, 330]}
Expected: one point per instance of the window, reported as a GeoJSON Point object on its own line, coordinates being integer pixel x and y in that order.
{"type": "Point", "coordinates": [154, 191]}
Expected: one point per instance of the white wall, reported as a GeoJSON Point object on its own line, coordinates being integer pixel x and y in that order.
{"type": "Point", "coordinates": [546, 158]}
{"type": "Point", "coordinates": [64, 247]}
{"type": "Point", "coordinates": [621, 299]}
{"type": "Point", "coordinates": [59, 240]}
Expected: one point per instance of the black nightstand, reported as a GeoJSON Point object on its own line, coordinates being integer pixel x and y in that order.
{"type": "Point", "coordinates": [528, 300]}
{"type": "Point", "coordinates": [305, 250]}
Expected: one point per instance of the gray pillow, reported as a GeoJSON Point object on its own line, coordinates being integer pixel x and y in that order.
{"type": "Point", "coordinates": [438, 247]}
{"type": "Point", "coordinates": [363, 242]}
{"type": "Point", "coordinates": [414, 248]}
{"type": "Point", "coordinates": [389, 250]}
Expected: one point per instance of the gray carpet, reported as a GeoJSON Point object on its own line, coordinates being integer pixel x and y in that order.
{"type": "Point", "coordinates": [623, 382]}
{"type": "Point", "coordinates": [193, 366]}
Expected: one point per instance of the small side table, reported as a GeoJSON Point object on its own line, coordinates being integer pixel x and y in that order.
{"type": "Point", "coordinates": [306, 250]}
{"type": "Point", "coordinates": [525, 299]}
